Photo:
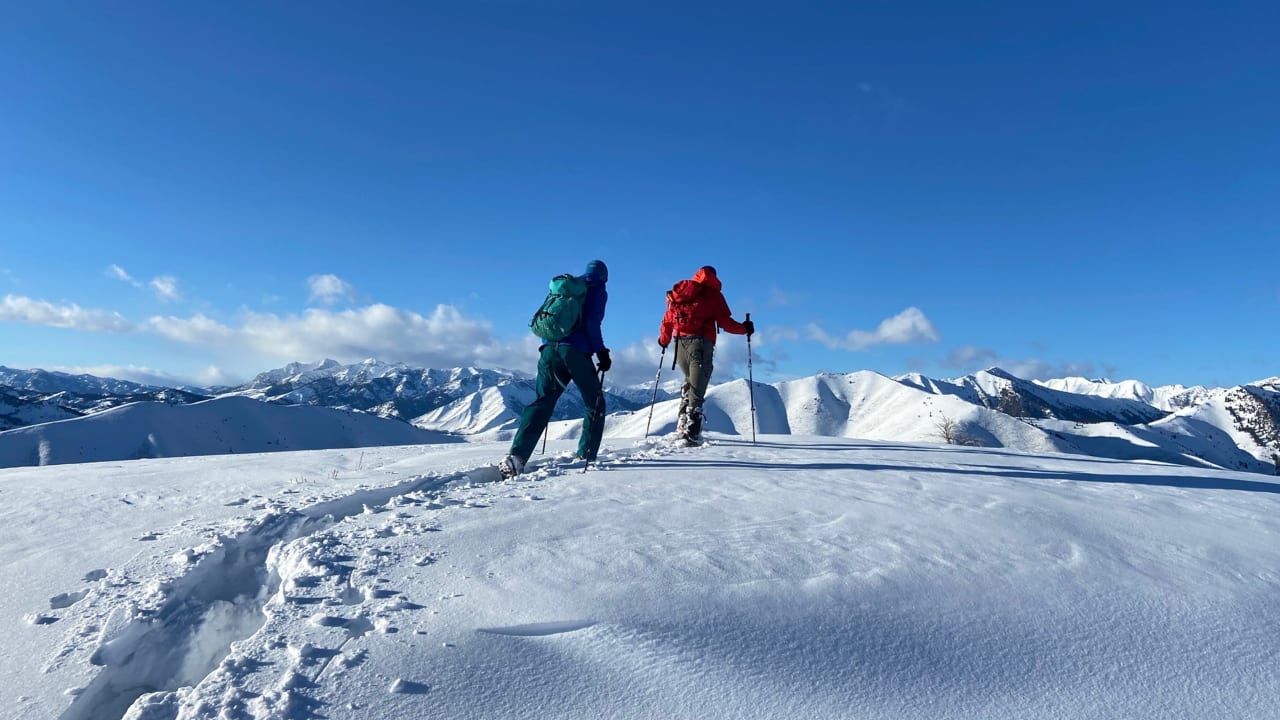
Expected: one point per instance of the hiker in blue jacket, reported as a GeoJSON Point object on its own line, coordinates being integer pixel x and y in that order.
{"type": "Point", "coordinates": [558, 364]}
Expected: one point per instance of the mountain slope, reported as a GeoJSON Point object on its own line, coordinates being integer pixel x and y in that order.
{"type": "Point", "coordinates": [47, 382]}
{"type": "Point", "coordinates": [1167, 397]}
{"type": "Point", "coordinates": [1240, 426]}
{"type": "Point", "coordinates": [223, 425]}
{"type": "Point", "coordinates": [1228, 427]}
{"type": "Point", "coordinates": [868, 405]}
{"type": "Point", "coordinates": [998, 390]}
{"type": "Point", "coordinates": [419, 395]}
{"type": "Point", "coordinates": [485, 413]}
{"type": "Point", "coordinates": [18, 408]}
{"type": "Point", "coordinates": [29, 397]}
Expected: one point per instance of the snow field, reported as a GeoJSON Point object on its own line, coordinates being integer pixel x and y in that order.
{"type": "Point", "coordinates": [798, 577]}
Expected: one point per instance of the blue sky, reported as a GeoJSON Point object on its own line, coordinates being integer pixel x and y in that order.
{"type": "Point", "coordinates": [202, 191]}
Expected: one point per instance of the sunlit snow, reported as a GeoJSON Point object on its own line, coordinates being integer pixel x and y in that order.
{"type": "Point", "coordinates": [800, 576]}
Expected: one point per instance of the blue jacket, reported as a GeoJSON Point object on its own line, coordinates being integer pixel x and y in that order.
{"type": "Point", "coordinates": [586, 337]}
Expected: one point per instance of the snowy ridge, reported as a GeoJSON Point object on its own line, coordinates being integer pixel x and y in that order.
{"type": "Point", "coordinates": [389, 390]}
{"type": "Point", "coordinates": [1166, 397]}
{"type": "Point", "coordinates": [224, 425]}
{"type": "Point", "coordinates": [399, 391]}
{"type": "Point", "coordinates": [1242, 426]}
{"type": "Point", "coordinates": [18, 409]}
{"type": "Point", "coordinates": [484, 413]}
{"type": "Point", "coordinates": [871, 406]}
{"type": "Point", "coordinates": [44, 381]}
{"type": "Point", "coordinates": [30, 397]}
{"type": "Point", "coordinates": [997, 389]}
{"type": "Point", "coordinates": [794, 577]}
{"type": "Point", "coordinates": [991, 408]}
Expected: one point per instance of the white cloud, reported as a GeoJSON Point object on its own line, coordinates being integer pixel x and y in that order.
{"type": "Point", "coordinates": [214, 375]}
{"type": "Point", "coordinates": [195, 330]}
{"type": "Point", "coordinates": [16, 308]}
{"type": "Point", "coordinates": [329, 289]}
{"type": "Point", "coordinates": [165, 287]}
{"type": "Point", "coordinates": [908, 326]}
{"type": "Point", "coordinates": [119, 273]}
{"type": "Point", "coordinates": [445, 338]}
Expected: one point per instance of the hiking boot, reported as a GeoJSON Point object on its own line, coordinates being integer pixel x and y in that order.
{"type": "Point", "coordinates": [693, 429]}
{"type": "Point", "coordinates": [510, 467]}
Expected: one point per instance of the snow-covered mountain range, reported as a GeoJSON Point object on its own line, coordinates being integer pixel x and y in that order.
{"type": "Point", "coordinates": [1234, 428]}
{"type": "Point", "coordinates": [395, 390]}
{"type": "Point", "coordinates": [28, 397]}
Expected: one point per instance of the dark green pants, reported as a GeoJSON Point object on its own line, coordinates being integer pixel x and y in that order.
{"type": "Point", "coordinates": [557, 365]}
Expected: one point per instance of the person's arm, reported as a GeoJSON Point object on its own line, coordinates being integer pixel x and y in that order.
{"type": "Point", "coordinates": [667, 328]}
{"type": "Point", "coordinates": [597, 298]}
{"type": "Point", "coordinates": [724, 318]}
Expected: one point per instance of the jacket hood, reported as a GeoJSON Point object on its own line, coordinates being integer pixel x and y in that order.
{"type": "Point", "coordinates": [706, 275]}
{"type": "Point", "coordinates": [597, 272]}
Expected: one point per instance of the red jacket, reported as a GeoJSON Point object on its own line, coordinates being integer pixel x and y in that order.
{"type": "Point", "coordinates": [717, 311]}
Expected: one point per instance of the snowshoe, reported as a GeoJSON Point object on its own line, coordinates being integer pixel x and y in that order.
{"type": "Point", "coordinates": [510, 467]}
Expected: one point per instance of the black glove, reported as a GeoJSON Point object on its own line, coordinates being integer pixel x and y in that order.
{"type": "Point", "coordinates": [603, 363]}
{"type": "Point", "coordinates": [663, 345]}
{"type": "Point", "coordinates": [749, 326]}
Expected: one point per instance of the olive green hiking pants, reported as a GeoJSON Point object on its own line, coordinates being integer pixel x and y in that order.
{"type": "Point", "coordinates": [694, 358]}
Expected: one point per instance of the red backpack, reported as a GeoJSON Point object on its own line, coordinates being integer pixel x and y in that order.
{"type": "Point", "coordinates": [688, 308]}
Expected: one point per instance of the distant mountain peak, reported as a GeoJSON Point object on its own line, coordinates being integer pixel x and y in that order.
{"type": "Point", "coordinates": [1001, 373]}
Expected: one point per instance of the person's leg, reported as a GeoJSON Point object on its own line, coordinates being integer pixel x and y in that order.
{"type": "Point", "coordinates": [699, 377]}
{"type": "Point", "coordinates": [585, 377]}
{"type": "Point", "coordinates": [553, 377]}
{"type": "Point", "coordinates": [685, 361]}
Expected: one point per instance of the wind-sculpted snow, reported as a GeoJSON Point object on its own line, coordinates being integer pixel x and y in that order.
{"type": "Point", "coordinates": [799, 576]}
{"type": "Point", "coordinates": [225, 425]}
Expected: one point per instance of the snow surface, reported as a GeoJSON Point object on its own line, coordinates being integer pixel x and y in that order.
{"type": "Point", "coordinates": [800, 576]}
{"type": "Point", "coordinates": [212, 427]}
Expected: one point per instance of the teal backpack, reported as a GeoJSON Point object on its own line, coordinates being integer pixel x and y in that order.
{"type": "Point", "coordinates": [561, 311]}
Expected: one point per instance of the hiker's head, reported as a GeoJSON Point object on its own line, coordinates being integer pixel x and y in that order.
{"type": "Point", "coordinates": [707, 276]}
{"type": "Point", "coordinates": [597, 272]}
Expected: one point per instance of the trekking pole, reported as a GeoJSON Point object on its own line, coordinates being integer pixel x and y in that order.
{"type": "Point", "coordinates": [545, 431]}
{"type": "Point", "coordinates": [751, 387]}
{"type": "Point", "coordinates": [600, 410]}
{"type": "Point", "coordinates": [654, 399]}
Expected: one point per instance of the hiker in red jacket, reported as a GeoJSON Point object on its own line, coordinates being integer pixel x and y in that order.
{"type": "Point", "coordinates": [695, 310]}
